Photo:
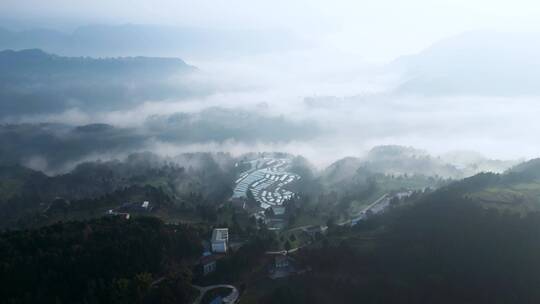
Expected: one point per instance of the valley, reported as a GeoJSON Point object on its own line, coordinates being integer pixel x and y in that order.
{"type": "Point", "coordinates": [269, 152]}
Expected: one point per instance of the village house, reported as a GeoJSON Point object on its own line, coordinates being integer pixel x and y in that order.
{"type": "Point", "coordinates": [282, 266]}
{"type": "Point", "coordinates": [220, 240]}
{"type": "Point", "coordinates": [208, 264]}
{"type": "Point", "coordinates": [281, 261]}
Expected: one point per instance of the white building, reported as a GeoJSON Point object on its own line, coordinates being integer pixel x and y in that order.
{"type": "Point", "coordinates": [220, 240]}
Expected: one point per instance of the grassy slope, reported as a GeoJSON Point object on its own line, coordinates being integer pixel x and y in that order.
{"type": "Point", "coordinates": [519, 197]}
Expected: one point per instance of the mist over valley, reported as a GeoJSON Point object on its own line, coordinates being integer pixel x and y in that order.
{"type": "Point", "coordinates": [269, 152]}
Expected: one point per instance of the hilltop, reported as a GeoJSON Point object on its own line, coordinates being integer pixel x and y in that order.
{"type": "Point", "coordinates": [35, 82]}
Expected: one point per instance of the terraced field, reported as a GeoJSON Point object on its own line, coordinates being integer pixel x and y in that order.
{"type": "Point", "coordinates": [267, 179]}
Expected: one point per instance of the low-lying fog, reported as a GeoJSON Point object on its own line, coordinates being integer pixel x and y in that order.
{"type": "Point", "coordinates": [351, 108]}
{"type": "Point", "coordinates": [300, 89]}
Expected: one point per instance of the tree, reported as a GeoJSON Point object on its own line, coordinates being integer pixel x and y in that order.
{"type": "Point", "coordinates": [108, 260]}
{"type": "Point", "coordinates": [141, 284]}
{"type": "Point", "coordinates": [287, 245]}
{"type": "Point", "coordinates": [292, 238]}
{"type": "Point", "coordinates": [331, 222]}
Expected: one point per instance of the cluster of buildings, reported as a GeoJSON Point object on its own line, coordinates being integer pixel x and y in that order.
{"type": "Point", "coordinates": [219, 245]}
{"type": "Point", "coordinates": [281, 265]}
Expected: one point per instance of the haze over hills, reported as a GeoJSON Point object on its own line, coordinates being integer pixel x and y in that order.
{"type": "Point", "coordinates": [184, 181]}
{"type": "Point", "coordinates": [149, 40]}
{"type": "Point", "coordinates": [57, 147]}
{"type": "Point", "coordinates": [481, 63]}
{"type": "Point", "coordinates": [126, 100]}
{"type": "Point", "coordinates": [261, 152]}
{"type": "Point", "coordinates": [34, 82]}
{"type": "Point", "coordinates": [400, 160]}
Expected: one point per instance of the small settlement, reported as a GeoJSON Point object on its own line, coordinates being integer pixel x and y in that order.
{"type": "Point", "coordinates": [219, 245]}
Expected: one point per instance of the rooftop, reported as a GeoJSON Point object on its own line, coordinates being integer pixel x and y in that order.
{"type": "Point", "coordinates": [220, 234]}
{"type": "Point", "coordinates": [210, 258]}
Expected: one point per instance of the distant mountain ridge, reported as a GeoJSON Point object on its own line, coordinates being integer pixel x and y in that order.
{"type": "Point", "coordinates": [400, 160]}
{"type": "Point", "coordinates": [35, 82]}
{"type": "Point", "coordinates": [37, 61]}
{"type": "Point", "coordinates": [148, 40]}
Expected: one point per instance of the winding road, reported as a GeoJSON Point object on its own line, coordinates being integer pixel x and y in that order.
{"type": "Point", "coordinates": [383, 201]}
{"type": "Point", "coordinates": [231, 298]}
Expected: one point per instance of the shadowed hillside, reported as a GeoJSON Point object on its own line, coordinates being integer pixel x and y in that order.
{"type": "Point", "coordinates": [35, 82]}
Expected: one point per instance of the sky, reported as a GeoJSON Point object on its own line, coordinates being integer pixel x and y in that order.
{"type": "Point", "coordinates": [375, 30]}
